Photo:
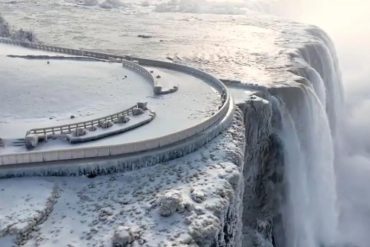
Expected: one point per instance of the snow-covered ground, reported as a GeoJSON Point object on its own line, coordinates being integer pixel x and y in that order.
{"type": "Point", "coordinates": [194, 193]}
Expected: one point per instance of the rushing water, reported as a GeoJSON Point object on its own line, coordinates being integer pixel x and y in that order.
{"type": "Point", "coordinates": [309, 210]}
{"type": "Point", "coordinates": [310, 124]}
{"type": "Point", "coordinates": [347, 23]}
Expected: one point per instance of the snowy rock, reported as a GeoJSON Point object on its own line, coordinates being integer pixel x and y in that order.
{"type": "Point", "coordinates": [197, 195]}
{"type": "Point", "coordinates": [122, 237]}
{"type": "Point", "coordinates": [204, 230]}
{"type": "Point", "coordinates": [169, 203]}
{"type": "Point", "coordinates": [234, 178]}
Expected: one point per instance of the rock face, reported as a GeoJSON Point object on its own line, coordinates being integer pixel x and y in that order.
{"type": "Point", "coordinates": [263, 171]}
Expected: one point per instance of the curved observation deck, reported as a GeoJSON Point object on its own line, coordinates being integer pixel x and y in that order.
{"type": "Point", "coordinates": [180, 127]}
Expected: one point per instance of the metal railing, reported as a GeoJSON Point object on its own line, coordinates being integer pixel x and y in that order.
{"type": "Point", "coordinates": [69, 128]}
{"type": "Point", "coordinates": [127, 61]}
{"type": "Point", "coordinates": [76, 52]}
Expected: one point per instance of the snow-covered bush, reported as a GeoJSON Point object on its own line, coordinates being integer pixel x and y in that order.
{"type": "Point", "coordinates": [170, 202]}
{"type": "Point", "coordinates": [18, 35]}
{"type": "Point", "coordinates": [22, 35]}
{"type": "Point", "coordinates": [4, 28]}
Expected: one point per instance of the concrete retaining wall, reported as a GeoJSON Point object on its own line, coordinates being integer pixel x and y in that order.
{"type": "Point", "coordinates": [165, 145]}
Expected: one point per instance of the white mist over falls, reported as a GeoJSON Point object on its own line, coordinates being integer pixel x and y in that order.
{"type": "Point", "coordinates": [322, 126]}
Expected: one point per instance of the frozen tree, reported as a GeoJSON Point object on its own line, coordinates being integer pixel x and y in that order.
{"type": "Point", "coordinates": [19, 35]}
{"type": "Point", "coordinates": [4, 28]}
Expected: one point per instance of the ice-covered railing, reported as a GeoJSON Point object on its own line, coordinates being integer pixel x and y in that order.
{"type": "Point", "coordinates": [39, 46]}
{"type": "Point", "coordinates": [189, 70]}
{"type": "Point", "coordinates": [143, 72]}
{"type": "Point", "coordinates": [157, 88]}
{"type": "Point", "coordinates": [68, 128]}
{"type": "Point", "coordinates": [84, 131]}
